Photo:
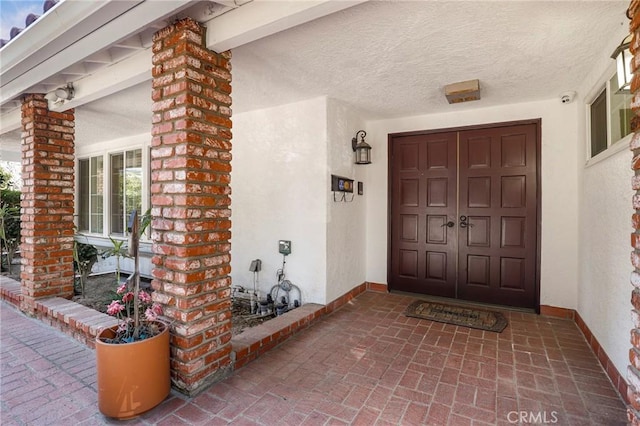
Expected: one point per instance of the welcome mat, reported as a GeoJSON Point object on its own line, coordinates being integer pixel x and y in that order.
{"type": "Point", "coordinates": [457, 315]}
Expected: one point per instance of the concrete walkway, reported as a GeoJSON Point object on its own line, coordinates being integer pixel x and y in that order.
{"type": "Point", "coordinates": [364, 364]}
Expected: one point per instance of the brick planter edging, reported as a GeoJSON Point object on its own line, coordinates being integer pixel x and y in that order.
{"type": "Point", "coordinates": [11, 291]}
{"type": "Point", "coordinates": [74, 319]}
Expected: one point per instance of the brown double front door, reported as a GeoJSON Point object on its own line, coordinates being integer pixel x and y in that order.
{"type": "Point", "coordinates": [464, 214]}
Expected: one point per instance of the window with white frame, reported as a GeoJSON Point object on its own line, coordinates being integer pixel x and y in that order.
{"type": "Point", "coordinates": [126, 188]}
{"type": "Point", "coordinates": [91, 193]}
{"type": "Point", "coordinates": [609, 117]}
{"type": "Point", "coordinates": [124, 178]}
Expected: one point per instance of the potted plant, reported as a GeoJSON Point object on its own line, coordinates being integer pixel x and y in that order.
{"type": "Point", "coordinates": [132, 358]}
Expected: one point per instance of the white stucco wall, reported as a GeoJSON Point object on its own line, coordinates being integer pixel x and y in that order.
{"type": "Point", "coordinates": [559, 263]}
{"type": "Point", "coordinates": [346, 222]}
{"type": "Point", "coordinates": [279, 193]}
{"type": "Point", "coordinates": [604, 291]}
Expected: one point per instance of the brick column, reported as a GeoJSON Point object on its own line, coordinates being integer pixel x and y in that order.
{"type": "Point", "coordinates": [190, 198]}
{"type": "Point", "coordinates": [47, 201]}
{"type": "Point", "coordinates": [633, 370]}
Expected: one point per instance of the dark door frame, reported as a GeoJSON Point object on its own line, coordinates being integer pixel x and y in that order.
{"type": "Point", "coordinates": [538, 123]}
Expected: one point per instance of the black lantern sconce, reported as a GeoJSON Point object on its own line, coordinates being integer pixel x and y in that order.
{"type": "Point", "coordinates": [361, 148]}
{"type": "Point", "coordinates": [622, 56]}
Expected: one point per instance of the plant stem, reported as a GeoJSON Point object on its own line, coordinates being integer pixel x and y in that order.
{"type": "Point", "coordinates": [136, 271]}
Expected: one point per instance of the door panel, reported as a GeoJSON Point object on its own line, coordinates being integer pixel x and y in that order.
{"type": "Point", "coordinates": [500, 201]}
{"type": "Point", "coordinates": [463, 220]}
{"type": "Point", "coordinates": [423, 198]}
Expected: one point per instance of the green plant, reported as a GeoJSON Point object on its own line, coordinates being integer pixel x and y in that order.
{"type": "Point", "coordinates": [118, 247]}
{"type": "Point", "coordinates": [10, 197]}
{"type": "Point", "coordinates": [145, 221]}
{"type": "Point", "coordinates": [84, 257]}
{"type": "Point", "coordinates": [9, 231]}
{"type": "Point", "coordinates": [119, 250]}
{"type": "Point", "coordinates": [6, 179]}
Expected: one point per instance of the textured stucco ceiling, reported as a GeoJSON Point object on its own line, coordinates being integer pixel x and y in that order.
{"type": "Point", "coordinates": [393, 58]}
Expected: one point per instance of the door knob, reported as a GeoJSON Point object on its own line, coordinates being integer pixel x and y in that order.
{"type": "Point", "coordinates": [449, 224]}
{"type": "Point", "coordinates": [464, 223]}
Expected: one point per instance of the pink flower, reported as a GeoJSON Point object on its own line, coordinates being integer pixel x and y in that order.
{"type": "Point", "coordinates": [150, 315]}
{"type": "Point", "coordinates": [122, 288]}
{"type": "Point", "coordinates": [115, 308]}
{"type": "Point", "coordinates": [127, 297]}
{"type": "Point", "coordinates": [123, 327]}
{"type": "Point", "coordinates": [144, 297]}
{"type": "Point", "coordinates": [157, 309]}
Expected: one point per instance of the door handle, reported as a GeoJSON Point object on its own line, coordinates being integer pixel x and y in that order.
{"type": "Point", "coordinates": [449, 224]}
{"type": "Point", "coordinates": [464, 223]}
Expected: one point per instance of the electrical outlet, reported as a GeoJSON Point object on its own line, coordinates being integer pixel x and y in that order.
{"type": "Point", "coordinates": [284, 247]}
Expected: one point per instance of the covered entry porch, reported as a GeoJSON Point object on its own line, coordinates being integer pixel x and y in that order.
{"type": "Point", "coordinates": [365, 363]}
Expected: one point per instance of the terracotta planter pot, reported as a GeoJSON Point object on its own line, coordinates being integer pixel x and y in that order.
{"type": "Point", "coordinates": [132, 377]}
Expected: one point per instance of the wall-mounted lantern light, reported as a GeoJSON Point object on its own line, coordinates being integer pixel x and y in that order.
{"type": "Point", "coordinates": [622, 55]}
{"type": "Point", "coordinates": [361, 148]}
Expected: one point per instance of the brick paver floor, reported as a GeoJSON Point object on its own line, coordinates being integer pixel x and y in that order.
{"type": "Point", "coordinates": [364, 364]}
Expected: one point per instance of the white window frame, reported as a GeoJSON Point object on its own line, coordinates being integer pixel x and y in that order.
{"type": "Point", "coordinates": [613, 147]}
{"type": "Point", "coordinates": [90, 201]}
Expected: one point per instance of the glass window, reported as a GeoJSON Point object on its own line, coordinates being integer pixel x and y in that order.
{"type": "Point", "coordinates": [90, 195]}
{"type": "Point", "coordinates": [621, 113]}
{"type": "Point", "coordinates": [599, 124]}
{"type": "Point", "coordinates": [117, 192]}
{"type": "Point", "coordinates": [133, 182]}
{"type": "Point", "coordinates": [126, 188]}
{"type": "Point", "coordinates": [610, 116]}
{"type": "Point", "coordinates": [83, 195]}
{"type": "Point", "coordinates": [124, 172]}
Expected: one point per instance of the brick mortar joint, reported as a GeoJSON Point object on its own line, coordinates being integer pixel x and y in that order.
{"type": "Point", "coordinates": [202, 120]}
{"type": "Point", "coordinates": [211, 62]}
{"type": "Point", "coordinates": [197, 95]}
{"type": "Point", "coordinates": [189, 96]}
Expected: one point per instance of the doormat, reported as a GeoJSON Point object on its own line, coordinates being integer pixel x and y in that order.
{"type": "Point", "coordinates": [457, 315]}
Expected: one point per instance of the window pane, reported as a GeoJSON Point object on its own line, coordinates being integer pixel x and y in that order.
{"type": "Point", "coordinates": [117, 194]}
{"type": "Point", "coordinates": [133, 182]}
{"type": "Point", "coordinates": [83, 195]}
{"type": "Point", "coordinates": [96, 194]}
{"type": "Point", "coordinates": [598, 112]}
{"type": "Point", "coordinates": [621, 113]}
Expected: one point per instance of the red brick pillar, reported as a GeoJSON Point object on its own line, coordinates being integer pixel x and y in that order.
{"type": "Point", "coordinates": [47, 201]}
{"type": "Point", "coordinates": [633, 371]}
{"type": "Point", "coordinates": [190, 198]}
